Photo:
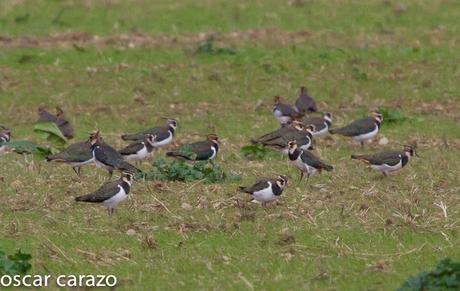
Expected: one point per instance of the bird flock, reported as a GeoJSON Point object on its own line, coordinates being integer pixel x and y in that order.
{"type": "Point", "coordinates": [300, 125]}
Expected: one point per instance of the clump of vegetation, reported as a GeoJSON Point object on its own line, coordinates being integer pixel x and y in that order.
{"type": "Point", "coordinates": [175, 170]}
{"type": "Point", "coordinates": [29, 148]}
{"type": "Point", "coordinates": [207, 47]}
{"type": "Point", "coordinates": [50, 131]}
{"type": "Point", "coordinates": [254, 151]}
{"type": "Point", "coordinates": [446, 276]}
{"type": "Point", "coordinates": [392, 115]}
{"type": "Point", "coordinates": [16, 264]}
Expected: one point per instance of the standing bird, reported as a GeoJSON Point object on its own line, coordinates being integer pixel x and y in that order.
{"type": "Point", "coordinates": [388, 161]}
{"type": "Point", "coordinates": [283, 112]}
{"type": "Point", "coordinates": [305, 161]}
{"type": "Point", "coordinates": [266, 190]}
{"type": "Point", "coordinates": [5, 136]}
{"type": "Point", "coordinates": [164, 134]}
{"type": "Point", "coordinates": [361, 129]}
{"type": "Point", "coordinates": [198, 151]}
{"type": "Point", "coordinates": [139, 150]}
{"type": "Point", "coordinates": [76, 155]}
{"type": "Point", "coordinates": [305, 103]}
{"type": "Point", "coordinates": [111, 193]}
{"type": "Point", "coordinates": [108, 158]}
{"type": "Point", "coordinates": [64, 126]}
{"type": "Point", "coordinates": [322, 124]}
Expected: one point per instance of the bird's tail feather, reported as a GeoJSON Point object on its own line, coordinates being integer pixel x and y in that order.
{"type": "Point", "coordinates": [328, 167]}
{"type": "Point", "coordinates": [243, 189]}
{"type": "Point", "coordinates": [125, 166]}
{"type": "Point", "coordinates": [135, 136]}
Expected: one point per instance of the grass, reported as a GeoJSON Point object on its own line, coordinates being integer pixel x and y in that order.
{"type": "Point", "coordinates": [348, 229]}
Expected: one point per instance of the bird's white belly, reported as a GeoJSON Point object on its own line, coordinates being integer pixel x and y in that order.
{"type": "Point", "coordinates": [387, 168]}
{"type": "Point", "coordinates": [164, 142]}
{"type": "Point", "coordinates": [82, 163]}
{"type": "Point", "coordinates": [321, 132]}
{"type": "Point", "coordinates": [264, 195]}
{"type": "Point", "coordinates": [140, 155]}
{"type": "Point", "coordinates": [283, 119]}
{"type": "Point", "coordinates": [117, 198]}
{"type": "Point", "coordinates": [367, 136]}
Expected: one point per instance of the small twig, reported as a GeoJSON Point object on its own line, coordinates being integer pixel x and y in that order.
{"type": "Point", "coordinates": [60, 251]}
{"type": "Point", "coordinates": [443, 207]}
{"type": "Point", "coordinates": [246, 281]}
{"type": "Point", "coordinates": [161, 203]}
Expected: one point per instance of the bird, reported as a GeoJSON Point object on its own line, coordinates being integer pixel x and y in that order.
{"type": "Point", "coordinates": [111, 193]}
{"type": "Point", "coordinates": [277, 134]}
{"type": "Point", "coordinates": [284, 113]}
{"type": "Point", "coordinates": [361, 129]}
{"type": "Point", "coordinates": [266, 190]}
{"type": "Point", "coordinates": [107, 157]}
{"type": "Point", "coordinates": [140, 149]}
{"type": "Point", "coordinates": [198, 151]}
{"type": "Point", "coordinates": [322, 124]}
{"type": "Point", "coordinates": [5, 136]}
{"type": "Point", "coordinates": [305, 103]}
{"type": "Point", "coordinates": [279, 138]}
{"type": "Point", "coordinates": [164, 134]}
{"type": "Point", "coordinates": [388, 161]}
{"type": "Point", "coordinates": [64, 126]}
{"type": "Point", "coordinates": [76, 155]}
{"type": "Point", "coordinates": [305, 161]}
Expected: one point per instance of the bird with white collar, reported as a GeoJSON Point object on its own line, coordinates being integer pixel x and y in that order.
{"type": "Point", "coordinates": [111, 193]}
{"type": "Point", "coordinates": [266, 190]}
{"type": "Point", "coordinates": [388, 161]}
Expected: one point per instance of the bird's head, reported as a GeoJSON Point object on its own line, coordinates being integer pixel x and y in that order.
{"type": "Point", "coordinates": [151, 138]}
{"type": "Point", "coordinates": [327, 116]}
{"type": "Point", "coordinates": [297, 125]}
{"type": "Point", "coordinates": [303, 90]}
{"type": "Point", "coordinates": [94, 137]}
{"type": "Point", "coordinates": [127, 177]}
{"type": "Point", "coordinates": [410, 150]}
{"type": "Point", "coordinates": [282, 181]}
{"type": "Point", "coordinates": [310, 128]}
{"type": "Point", "coordinates": [277, 100]}
{"type": "Point", "coordinates": [59, 112]}
{"type": "Point", "coordinates": [5, 131]}
{"type": "Point", "coordinates": [212, 138]}
{"type": "Point", "coordinates": [171, 122]}
{"type": "Point", "coordinates": [292, 146]}
{"type": "Point", "coordinates": [377, 116]}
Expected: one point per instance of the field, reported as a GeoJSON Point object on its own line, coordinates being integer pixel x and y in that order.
{"type": "Point", "coordinates": [119, 66]}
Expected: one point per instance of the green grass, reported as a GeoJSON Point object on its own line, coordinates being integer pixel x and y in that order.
{"type": "Point", "coordinates": [352, 230]}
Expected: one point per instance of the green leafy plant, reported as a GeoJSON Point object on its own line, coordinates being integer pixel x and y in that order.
{"type": "Point", "coordinates": [29, 148]}
{"type": "Point", "coordinates": [446, 276]}
{"type": "Point", "coordinates": [254, 151]}
{"type": "Point", "coordinates": [391, 115]}
{"type": "Point", "coordinates": [176, 170]}
{"type": "Point", "coordinates": [207, 47]}
{"type": "Point", "coordinates": [358, 74]}
{"type": "Point", "coordinates": [50, 131]}
{"type": "Point", "coordinates": [16, 264]}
